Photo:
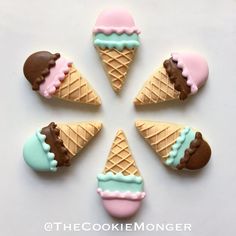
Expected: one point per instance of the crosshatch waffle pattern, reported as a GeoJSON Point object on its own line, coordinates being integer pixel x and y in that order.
{"type": "Point", "coordinates": [120, 159]}
{"type": "Point", "coordinates": [157, 88]}
{"type": "Point", "coordinates": [76, 136]}
{"type": "Point", "coordinates": [116, 64]}
{"type": "Point", "coordinates": [161, 136]}
{"type": "Point", "coordinates": [77, 89]}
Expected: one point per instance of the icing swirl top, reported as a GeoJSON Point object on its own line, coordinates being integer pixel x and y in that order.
{"type": "Point", "coordinates": [115, 21]}
{"type": "Point", "coordinates": [194, 68]}
{"type": "Point", "coordinates": [37, 67]}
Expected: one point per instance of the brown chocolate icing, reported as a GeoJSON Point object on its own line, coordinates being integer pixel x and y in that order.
{"type": "Point", "coordinates": [37, 67]}
{"type": "Point", "coordinates": [56, 144]}
{"type": "Point", "coordinates": [197, 155]}
{"type": "Point", "coordinates": [176, 77]}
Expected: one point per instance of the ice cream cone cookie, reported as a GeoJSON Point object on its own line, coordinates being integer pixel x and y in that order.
{"type": "Point", "coordinates": [120, 185]}
{"type": "Point", "coordinates": [180, 76]}
{"type": "Point", "coordinates": [179, 147]}
{"type": "Point", "coordinates": [54, 76]}
{"type": "Point", "coordinates": [57, 144]}
{"type": "Point", "coordinates": [116, 39]}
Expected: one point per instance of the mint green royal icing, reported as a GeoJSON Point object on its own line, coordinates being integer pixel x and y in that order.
{"type": "Point", "coordinates": [118, 41]}
{"type": "Point", "coordinates": [120, 182]}
{"type": "Point", "coordinates": [182, 143]}
{"type": "Point", "coordinates": [37, 153]}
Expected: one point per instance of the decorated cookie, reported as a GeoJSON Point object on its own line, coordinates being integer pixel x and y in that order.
{"type": "Point", "coordinates": [55, 76]}
{"type": "Point", "coordinates": [179, 77]}
{"type": "Point", "coordinates": [120, 185]}
{"type": "Point", "coordinates": [179, 147]}
{"type": "Point", "coordinates": [116, 38]}
{"type": "Point", "coordinates": [57, 144]}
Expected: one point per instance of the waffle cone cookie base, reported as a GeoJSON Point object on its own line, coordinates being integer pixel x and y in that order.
{"type": "Point", "coordinates": [76, 136]}
{"type": "Point", "coordinates": [116, 64]}
{"type": "Point", "coordinates": [120, 159]}
{"type": "Point", "coordinates": [120, 185]}
{"type": "Point", "coordinates": [55, 145]}
{"type": "Point", "coordinates": [160, 136]}
{"type": "Point", "coordinates": [156, 89]}
{"type": "Point", "coordinates": [179, 147]}
{"type": "Point", "coordinates": [76, 88]}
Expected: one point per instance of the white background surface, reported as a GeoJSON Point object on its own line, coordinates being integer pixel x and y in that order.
{"type": "Point", "coordinates": [205, 199]}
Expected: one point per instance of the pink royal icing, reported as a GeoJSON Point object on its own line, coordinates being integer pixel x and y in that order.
{"type": "Point", "coordinates": [115, 21]}
{"type": "Point", "coordinates": [121, 208]}
{"type": "Point", "coordinates": [122, 195]}
{"type": "Point", "coordinates": [195, 69]}
{"type": "Point", "coordinates": [56, 76]}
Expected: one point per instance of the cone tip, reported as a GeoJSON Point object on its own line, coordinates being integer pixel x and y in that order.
{"type": "Point", "coordinates": [136, 101]}
{"type": "Point", "coordinates": [98, 101]}
{"type": "Point", "coordinates": [116, 89]}
{"type": "Point", "coordinates": [97, 124]}
{"type": "Point", "coordinates": [139, 123]}
{"type": "Point", "coordinates": [120, 131]}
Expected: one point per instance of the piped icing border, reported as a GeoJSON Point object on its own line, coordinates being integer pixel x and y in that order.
{"type": "Point", "coordinates": [116, 41]}
{"type": "Point", "coordinates": [56, 144]}
{"type": "Point", "coordinates": [185, 72]}
{"type": "Point", "coordinates": [118, 45]}
{"type": "Point", "coordinates": [46, 71]}
{"type": "Point", "coordinates": [176, 78]}
{"type": "Point", "coordinates": [59, 71]}
{"type": "Point", "coordinates": [120, 177]}
{"type": "Point", "coordinates": [120, 195]}
{"type": "Point", "coordinates": [175, 147]}
{"type": "Point", "coordinates": [46, 148]}
{"type": "Point", "coordinates": [118, 30]}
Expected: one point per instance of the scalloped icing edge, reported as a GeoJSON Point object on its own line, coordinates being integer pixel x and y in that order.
{"type": "Point", "coordinates": [185, 73]}
{"type": "Point", "coordinates": [176, 146]}
{"type": "Point", "coordinates": [57, 80]}
{"type": "Point", "coordinates": [120, 177]}
{"type": "Point", "coordinates": [118, 45]}
{"type": "Point", "coordinates": [120, 195]}
{"type": "Point", "coordinates": [118, 30]}
{"type": "Point", "coordinates": [46, 147]}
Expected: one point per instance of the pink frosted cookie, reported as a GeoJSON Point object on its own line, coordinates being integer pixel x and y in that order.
{"type": "Point", "coordinates": [120, 185]}
{"type": "Point", "coordinates": [179, 77]}
{"type": "Point", "coordinates": [116, 39]}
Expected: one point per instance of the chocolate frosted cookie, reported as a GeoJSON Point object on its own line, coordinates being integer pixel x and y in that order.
{"type": "Point", "coordinates": [55, 76]}
{"type": "Point", "coordinates": [179, 147]}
